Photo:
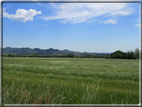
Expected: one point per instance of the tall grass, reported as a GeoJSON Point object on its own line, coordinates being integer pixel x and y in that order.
{"type": "Point", "coordinates": [19, 93]}
{"type": "Point", "coordinates": [70, 81]}
{"type": "Point", "coordinates": [90, 94]}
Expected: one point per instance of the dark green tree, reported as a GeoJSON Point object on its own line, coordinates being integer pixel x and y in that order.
{"type": "Point", "coordinates": [9, 55]}
{"type": "Point", "coordinates": [117, 54]}
{"type": "Point", "coordinates": [70, 55]}
{"type": "Point", "coordinates": [137, 53]}
{"type": "Point", "coordinates": [35, 55]}
{"type": "Point", "coordinates": [131, 55]}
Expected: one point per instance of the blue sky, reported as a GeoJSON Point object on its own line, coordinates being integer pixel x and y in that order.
{"type": "Point", "coordinates": [83, 27]}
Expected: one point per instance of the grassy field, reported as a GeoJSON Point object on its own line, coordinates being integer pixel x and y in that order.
{"type": "Point", "coordinates": [70, 81]}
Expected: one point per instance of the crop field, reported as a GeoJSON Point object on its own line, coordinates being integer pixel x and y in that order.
{"type": "Point", "coordinates": [70, 81]}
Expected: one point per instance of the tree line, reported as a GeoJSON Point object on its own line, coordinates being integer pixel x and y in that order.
{"type": "Point", "coordinates": [128, 55]}
{"type": "Point", "coordinates": [115, 55]}
{"type": "Point", "coordinates": [58, 56]}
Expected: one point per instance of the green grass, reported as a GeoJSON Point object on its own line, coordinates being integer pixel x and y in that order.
{"type": "Point", "coordinates": [70, 81]}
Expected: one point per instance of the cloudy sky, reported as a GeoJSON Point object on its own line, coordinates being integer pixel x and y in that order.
{"type": "Point", "coordinates": [84, 27]}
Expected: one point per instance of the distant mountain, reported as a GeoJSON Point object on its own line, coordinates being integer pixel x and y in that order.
{"type": "Point", "coordinates": [51, 51]}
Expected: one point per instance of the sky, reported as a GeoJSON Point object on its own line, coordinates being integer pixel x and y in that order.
{"type": "Point", "coordinates": [83, 27]}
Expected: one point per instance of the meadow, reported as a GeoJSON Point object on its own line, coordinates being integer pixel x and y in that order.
{"type": "Point", "coordinates": [70, 81]}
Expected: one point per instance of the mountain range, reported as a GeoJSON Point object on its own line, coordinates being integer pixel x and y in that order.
{"type": "Point", "coordinates": [51, 51]}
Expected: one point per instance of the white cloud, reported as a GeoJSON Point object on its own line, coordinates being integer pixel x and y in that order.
{"type": "Point", "coordinates": [112, 21]}
{"type": "Point", "coordinates": [22, 15]}
{"type": "Point", "coordinates": [81, 12]}
{"type": "Point", "coordinates": [138, 24]}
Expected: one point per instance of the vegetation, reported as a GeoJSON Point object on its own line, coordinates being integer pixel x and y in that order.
{"type": "Point", "coordinates": [121, 55]}
{"type": "Point", "coordinates": [129, 55]}
{"type": "Point", "coordinates": [70, 81]}
{"type": "Point", "coordinates": [117, 55]}
{"type": "Point", "coordinates": [57, 56]}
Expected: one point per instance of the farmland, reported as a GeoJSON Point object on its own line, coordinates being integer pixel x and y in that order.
{"type": "Point", "coordinates": [70, 81]}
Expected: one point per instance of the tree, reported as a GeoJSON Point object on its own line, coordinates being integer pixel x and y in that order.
{"type": "Point", "coordinates": [131, 55]}
{"type": "Point", "coordinates": [35, 55]}
{"type": "Point", "coordinates": [70, 55]}
{"type": "Point", "coordinates": [137, 53]}
{"type": "Point", "coordinates": [117, 54]}
{"type": "Point", "coordinates": [124, 56]}
{"type": "Point", "coordinates": [9, 55]}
